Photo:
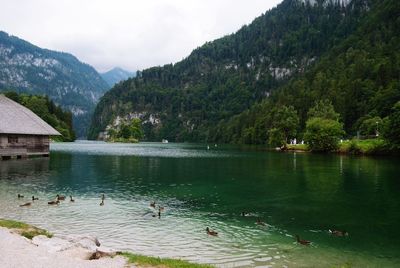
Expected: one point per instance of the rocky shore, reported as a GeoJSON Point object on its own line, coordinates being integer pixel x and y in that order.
{"type": "Point", "coordinates": [57, 251]}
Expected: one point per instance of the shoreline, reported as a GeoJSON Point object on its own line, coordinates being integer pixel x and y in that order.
{"type": "Point", "coordinates": [374, 147]}
{"type": "Point", "coordinates": [24, 245]}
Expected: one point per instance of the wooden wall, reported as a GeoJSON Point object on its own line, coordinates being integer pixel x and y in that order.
{"type": "Point", "coordinates": [23, 145]}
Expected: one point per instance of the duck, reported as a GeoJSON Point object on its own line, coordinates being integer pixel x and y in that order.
{"type": "Point", "coordinates": [20, 196]}
{"type": "Point", "coordinates": [71, 200]}
{"type": "Point", "coordinates": [338, 233]}
{"type": "Point", "coordinates": [102, 203]}
{"type": "Point", "coordinates": [159, 213]}
{"type": "Point", "coordinates": [153, 204]}
{"type": "Point", "coordinates": [245, 214]}
{"type": "Point", "coordinates": [34, 198]}
{"type": "Point", "coordinates": [211, 232]}
{"type": "Point", "coordinates": [302, 241]}
{"type": "Point", "coordinates": [54, 202]}
{"type": "Point", "coordinates": [60, 197]}
{"type": "Point", "coordinates": [259, 222]}
{"type": "Point", "coordinates": [26, 204]}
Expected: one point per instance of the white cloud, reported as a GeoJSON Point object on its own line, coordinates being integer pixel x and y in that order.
{"type": "Point", "coordinates": [131, 34]}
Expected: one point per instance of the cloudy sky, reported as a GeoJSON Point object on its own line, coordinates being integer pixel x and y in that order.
{"type": "Point", "coordinates": [132, 34]}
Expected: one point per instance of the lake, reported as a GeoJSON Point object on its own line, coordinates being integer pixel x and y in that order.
{"type": "Point", "coordinates": [294, 193]}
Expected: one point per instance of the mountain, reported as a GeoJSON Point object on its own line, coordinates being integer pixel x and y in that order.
{"type": "Point", "coordinates": [74, 85]}
{"type": "Point", "coordinates": [116, 75]}
{"type": "Point", "coordinates": [210, 93]}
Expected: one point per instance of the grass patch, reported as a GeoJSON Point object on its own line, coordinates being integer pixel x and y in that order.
{"type": "Point", "coordinates": [24, 229]}
{"type": "Point", "coordinates": [161, 262]}
{"type": "Point", "coordinates": [297, 147]}
{"type": "Point", "coordinates": [370, 146]}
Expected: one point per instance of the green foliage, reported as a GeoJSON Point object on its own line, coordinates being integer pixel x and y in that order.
{"type": "Point", "coordinates": [323, 109]}
{"type": "Point", "coordinates": [127, 132]}
{"type": "Point", "coordinates": [284, 124]}
{"type": "Point", "coordinates": [370, 126]}
{"type": "Point", "coordinates": [276, 138]}
{"type": "Point", "coordinates": [392, 132]}
{"type": "Point", "coordinates": [46, 109]}
{"type": "Point", "coordinates": [24, 229]}
{"type": "Point", "coordinates": [145, 261]}
{"type": "Point", "coordinates": [367, 147]}
{"type": "Point", "coordinates": [323, 135]}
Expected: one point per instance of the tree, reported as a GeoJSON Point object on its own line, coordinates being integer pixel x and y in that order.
{"type": "Point", "coordinates": [370, 126]}
{"type": "Point", "coordinates": [392, 131]}
{"type": "Point", "coordinates": [323, 129]}
{"type": "Point", "coordinates": [135, 129]}
{"type": "Point", "coordinates": [323, 109]}
{"type": "Point", "coordinates": [323, 134]}
{"type": "Point", "coordinates": [285, 122]}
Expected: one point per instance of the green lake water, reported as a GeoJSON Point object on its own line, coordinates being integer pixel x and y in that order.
{"type": "Point", "coordinates": [294, 193]}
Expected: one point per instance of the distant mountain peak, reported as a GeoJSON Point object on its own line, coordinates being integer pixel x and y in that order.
{"type": "Point", "coordinates": [116, 75]}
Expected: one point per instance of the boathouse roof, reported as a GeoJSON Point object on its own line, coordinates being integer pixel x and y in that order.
{"type": "Point", "coordinates": [17, 119]}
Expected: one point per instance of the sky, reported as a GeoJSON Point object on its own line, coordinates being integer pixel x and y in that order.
{"type": "Point", "coordinates": [131, 34]}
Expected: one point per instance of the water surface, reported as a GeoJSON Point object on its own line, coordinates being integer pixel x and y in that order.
{"type": "Point", "coordinates": [293, 193]}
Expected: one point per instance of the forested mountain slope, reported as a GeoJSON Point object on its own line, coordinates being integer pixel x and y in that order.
{"type": "Point", "coordinates": [360, 76]}
{"type": "Point", "coordinates": [223, 78]}
{"type": "Point", "coordinates": [74, 85]}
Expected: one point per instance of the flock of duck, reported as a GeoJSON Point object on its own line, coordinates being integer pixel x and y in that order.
{"type": "Point", "coordinates": [339, 233]}
{"type": "Point", "coordinates": [259, 222]}
{"type": "Point", "coordinates": [56, 201]}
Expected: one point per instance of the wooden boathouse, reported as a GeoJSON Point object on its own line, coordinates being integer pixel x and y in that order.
{"type": "Point", "coordinates": [22, 133]}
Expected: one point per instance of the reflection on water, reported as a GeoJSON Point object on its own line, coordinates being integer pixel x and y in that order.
{"type": "Point", "coordinates": [294, 193]}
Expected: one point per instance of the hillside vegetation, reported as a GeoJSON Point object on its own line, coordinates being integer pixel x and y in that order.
{"type": "Point", "coordinates": [294, 55]}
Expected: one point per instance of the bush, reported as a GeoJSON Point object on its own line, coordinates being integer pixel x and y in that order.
{"type": "Point", "coordinates": [323, 135]}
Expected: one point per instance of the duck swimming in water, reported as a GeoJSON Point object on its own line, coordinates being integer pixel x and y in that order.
{"type": "Point", "coordinates": [20, 196]}
{"type": "Point", "coordinates": [259, 222]}
{"type": "Point", "coordinates": [211, 232]}
{"type": "Point", "coordinates": [153, 204]}
{"type": "Point", "coordinates": [53, 202]}
{"type": "Point", "coordinates": [26, 204]}
{"type": "Point", "coordinates": [60, 197]}
{"type": "Point", "coordinates": [71, 200]}
{"type": "Point", "coordinates": [302, 241]}
{"type": "Point", "coordinates": [34, 198]}
{"type": "Point", "coordinates": [338, 233]}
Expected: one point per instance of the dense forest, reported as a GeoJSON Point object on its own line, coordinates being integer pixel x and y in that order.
{"type": "Point", "coordinates": [45, 108]}
{"type": "Point", "coordinates": [298, 53]}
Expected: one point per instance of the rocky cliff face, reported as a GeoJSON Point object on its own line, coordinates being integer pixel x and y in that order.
{"type": "Point", "coordinates": [67, 81]}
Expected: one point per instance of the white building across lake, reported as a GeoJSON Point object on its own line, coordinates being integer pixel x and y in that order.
{"type": "Point", "coordinates": [22, 133]}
